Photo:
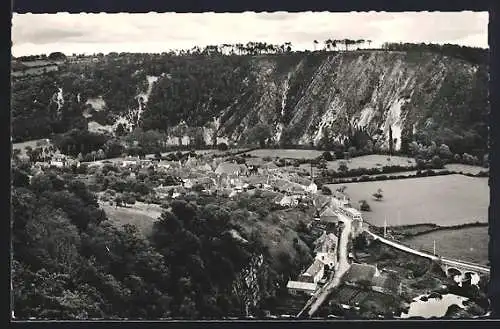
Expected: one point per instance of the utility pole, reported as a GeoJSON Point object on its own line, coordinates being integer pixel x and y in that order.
{"type": "Point", "coordinates": [385, 227]}
{"type": "Point", "coordinates": [434, 248]}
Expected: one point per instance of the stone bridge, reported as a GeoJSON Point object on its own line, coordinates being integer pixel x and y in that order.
{"type": "Point", "coordinates": [451, 267]}
{"type": "Point", "coordinates": [461, 268]}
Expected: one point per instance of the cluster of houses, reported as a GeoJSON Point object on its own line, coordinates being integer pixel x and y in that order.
{"type": "Point", "coordinates": [308, 282]}
{"type": "Point", "coordinates": [224, 178]}
{"type": "Point", "coordinates": [57, 160]}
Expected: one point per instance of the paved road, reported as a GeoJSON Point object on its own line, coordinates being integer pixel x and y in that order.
{"type": "Point", "coordinates": [402, 247]}
{"type": "Point", "coordinates": [340, 269]}
{"type": "Point", "coordinates": [426, 255]}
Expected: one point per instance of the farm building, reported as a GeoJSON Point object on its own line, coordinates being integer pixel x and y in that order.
{"type": "Point", "coordinates": [314, 273]}
{"type": "Point", "coordinates": [231, 169]}
{"type": "Point", "coordinates": [297, 287]}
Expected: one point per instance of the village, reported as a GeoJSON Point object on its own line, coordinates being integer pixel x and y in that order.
{"type": "Point", "coordinates": [207, 174]}
{"type": "Point", "coordinates": [132, 185]}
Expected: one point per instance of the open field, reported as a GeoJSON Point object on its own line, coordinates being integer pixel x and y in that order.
{"type": "Point", "coordinates": [375, 160]}
{"type": "Point", "coordinates": [370, 161]}
{"type": "Point", "coordinates": [468, 244]}
{"type": "Point", "coordinates": [33, 144]}
{"type": "Point", "coordinates": [443, 200]}
{"type": "Point", "coordinates": [140, 214]}
{"type": "Point", "coordinates": [286, 153]}
{"type": "Point", "coordinates": [466, 169]}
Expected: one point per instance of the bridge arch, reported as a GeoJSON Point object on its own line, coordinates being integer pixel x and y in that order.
{"type": "Point", "coordinates": [472, 276]}
{"type": "Point", "coordinates": [452, 272]}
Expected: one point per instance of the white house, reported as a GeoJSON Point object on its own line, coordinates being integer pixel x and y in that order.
{"type": "Point", "coordinates": [312, 188]}
{"type": "Point", "coordinates": [327, 258]}
{"type": "Point", "coordinates": [314, 273]}
{"type": "Point", "coordinates": [56, 163]}
{"type": "Point", "coordinates": [126, 163]}
{"type": "Point", "coordinates": [188, 183]}
{"type": "Point", "coordinates": [296, 287]}
{"type": "Point", "coordinates": [288, 201]}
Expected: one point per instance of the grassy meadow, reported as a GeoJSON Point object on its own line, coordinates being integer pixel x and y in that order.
{"type": "Point", "coordinates": [443, 200]}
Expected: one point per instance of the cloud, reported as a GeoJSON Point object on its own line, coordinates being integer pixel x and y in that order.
{"type": "Point", "coordinates": [89, 33]}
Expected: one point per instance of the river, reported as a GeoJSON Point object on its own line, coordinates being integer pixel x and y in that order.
{"type": "Point", "coordinates": [433, 307]}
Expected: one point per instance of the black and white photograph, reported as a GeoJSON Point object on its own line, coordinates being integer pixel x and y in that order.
{"type": "Point", "coordinates": [250, 166]}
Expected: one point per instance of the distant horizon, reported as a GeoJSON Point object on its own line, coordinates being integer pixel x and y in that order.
{"type": "Point", "coordinates": [35, 34]}
{"type": "Point", "coordinates": [186, 49]}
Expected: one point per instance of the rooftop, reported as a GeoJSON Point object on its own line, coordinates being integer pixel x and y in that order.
{"type": "Point", "coordinates": [315, 267]}
{"type": "Point", "coordinates": [301, 285]}
{"type": "Point", "coordinates": [229, 168]}
{"type": "Point", "coordinates": [360, 272]}
{"type": "Point", "coordinates": [387, 281]}
{"type": "Point", "coordinates": [328, 212]}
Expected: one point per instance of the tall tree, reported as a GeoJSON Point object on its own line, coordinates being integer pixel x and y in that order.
{"type": "Point", "coordinates": [391, 141]}
{"type": "Point", "coordinates": [260, 133]}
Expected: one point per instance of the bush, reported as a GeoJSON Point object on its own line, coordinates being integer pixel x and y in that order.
{"type": "Point", "coordinates": [222, 147]}
{"type": "Point", "coordinates": [326, 190]}
{"type": "Point", "coordinates": [436, 162]}
{"type": "Point", "coordinates": [364, 206]}
{"type": "Point", "coordinates": [327, 156]}
{"type": "Point", "coordinates": [343, 167]}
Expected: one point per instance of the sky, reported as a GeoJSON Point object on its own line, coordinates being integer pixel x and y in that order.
{"type": "Point", "coordinates": [160, 32]}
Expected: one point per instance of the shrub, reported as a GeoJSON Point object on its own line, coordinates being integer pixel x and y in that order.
{"type": "Point", "coordinates": [436, 162]}
{"type": "Point", "coordinates": [326, 190]}
{"type": "Point", "coordinates": [364, 206]}
{"type": "Point", "coordinates": [343, 167]}
{"type": "Point", "coordinates": [327, 156]}
{"type": "Point", "coordinates": [222, 147]}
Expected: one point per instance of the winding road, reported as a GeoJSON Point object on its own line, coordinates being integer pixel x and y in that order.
{"type": "Point", "coordinates": [341, 268]}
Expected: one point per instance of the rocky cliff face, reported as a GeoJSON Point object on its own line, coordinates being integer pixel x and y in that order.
{"type": "Point", "coordinates": [301, 95]}
{"type": "Point", "coordinates": [371, 90]}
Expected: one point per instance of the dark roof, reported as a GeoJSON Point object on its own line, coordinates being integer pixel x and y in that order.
{"type": "Point", "coordinates": [387, 281]}
{"type": "Point", "coordinates": [360, 272]}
